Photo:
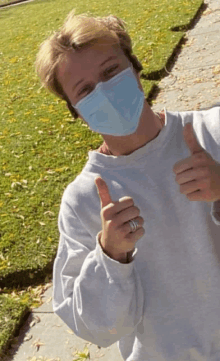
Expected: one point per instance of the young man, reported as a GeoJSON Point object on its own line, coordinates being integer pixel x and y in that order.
{"type": "Point", "coordinates": [138, 258]}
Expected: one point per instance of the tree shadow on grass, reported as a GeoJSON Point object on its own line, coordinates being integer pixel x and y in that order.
{"type": "Point", "coordinates": [24, 278]}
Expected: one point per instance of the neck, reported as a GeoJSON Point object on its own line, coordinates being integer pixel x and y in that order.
{"type": "Point", "coordinates": [149, 128]}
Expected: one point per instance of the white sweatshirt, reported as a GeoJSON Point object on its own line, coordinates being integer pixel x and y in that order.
{"type": "Point", "coordinates": [165, 304]}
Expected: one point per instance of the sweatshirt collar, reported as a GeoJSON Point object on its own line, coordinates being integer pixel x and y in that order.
{"type": "Point", "coordinates": [112, 161]}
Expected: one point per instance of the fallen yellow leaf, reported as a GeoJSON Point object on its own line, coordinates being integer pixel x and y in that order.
{"type": "Point", "coordinates": [216, 69]}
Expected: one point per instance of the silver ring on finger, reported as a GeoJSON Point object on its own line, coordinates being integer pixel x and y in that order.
{"type": "Point", "coordinates": [133, 224]}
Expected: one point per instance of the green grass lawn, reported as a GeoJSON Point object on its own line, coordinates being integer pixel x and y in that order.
{"type": "Point", "coordinates": [42, 147]}
{"type": "Point", "coordinates": [5, 1]}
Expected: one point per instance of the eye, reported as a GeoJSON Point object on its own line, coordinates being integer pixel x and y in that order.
{"type": "Point", "coordinates": [111, 70]}
{"type": "Point", "coordinates": [87, 89]}
{"type": "Point", "coordinates": [83, 90]}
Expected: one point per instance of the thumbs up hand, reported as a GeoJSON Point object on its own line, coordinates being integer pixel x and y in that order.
{"type": "Point", "coordinates": [117, 239]}
{"type": "Point", "coordinates": [198, 175]}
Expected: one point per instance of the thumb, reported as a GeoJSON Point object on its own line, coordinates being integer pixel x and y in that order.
{"type": "Point", "coordinates": [191, 140]}
{"type": "Point", "coordinates": [103, 192]}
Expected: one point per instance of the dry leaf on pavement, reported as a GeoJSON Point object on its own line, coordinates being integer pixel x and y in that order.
{"type": "Point", "coordinates": [35, 320]}
{"type": "Point", "coordinates": [38, 344]}
{"type": "Point", "coordinates": [28, 338]}
{"type": "Point", "coordinates": [216, 69]}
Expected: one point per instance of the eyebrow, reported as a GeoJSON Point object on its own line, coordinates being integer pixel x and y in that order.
{"type": "Point", "coordinates": [80, 81]}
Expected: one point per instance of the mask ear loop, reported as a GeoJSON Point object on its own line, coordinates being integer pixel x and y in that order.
{"type": "Point", "coordinates": [132, 68]}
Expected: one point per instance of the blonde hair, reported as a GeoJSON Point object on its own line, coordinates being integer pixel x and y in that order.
{"type": "Point", "coordinates": [77, 32]}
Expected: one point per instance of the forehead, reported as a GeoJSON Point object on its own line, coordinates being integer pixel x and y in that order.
{"type": "Point", "coordinates": [81, 63]}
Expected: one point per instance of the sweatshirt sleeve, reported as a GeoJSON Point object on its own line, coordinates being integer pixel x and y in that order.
{"type": "Point", "coordinates": [207, 127]}
{"type": "Point", "coordinates": [215, 212]}
{"type": "Point", "coordinates": [100, 299]}
{"type": "Point", "coordinates": [212, 144]}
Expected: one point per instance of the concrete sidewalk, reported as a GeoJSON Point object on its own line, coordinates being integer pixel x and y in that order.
{"type": "Point", "coordinates": [44, 337]}
{"type": "Point", "coordinates": [193, 84]}
{"type": "Point", "coordinates": [194, 81]}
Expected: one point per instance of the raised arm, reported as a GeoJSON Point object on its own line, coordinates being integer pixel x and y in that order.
{"type": "Point", "coordinates": [98, 297]}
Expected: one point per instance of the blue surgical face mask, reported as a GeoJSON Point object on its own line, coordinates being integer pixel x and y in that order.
{"type": "Point", "coordinates": [114, 107]}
